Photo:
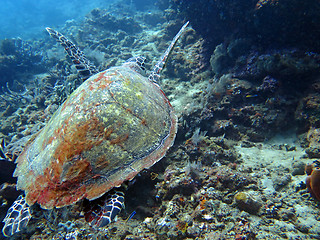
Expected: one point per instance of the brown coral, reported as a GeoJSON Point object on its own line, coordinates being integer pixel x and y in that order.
{"type": "Point", "coordinates": [313, 181]}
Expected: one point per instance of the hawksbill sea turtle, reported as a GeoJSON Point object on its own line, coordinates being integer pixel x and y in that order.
{"type": "Point", "coordinates": [115, 124]}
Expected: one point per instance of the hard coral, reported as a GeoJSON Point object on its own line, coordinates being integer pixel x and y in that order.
{"type": "Point", "coordinates": [313, 180]}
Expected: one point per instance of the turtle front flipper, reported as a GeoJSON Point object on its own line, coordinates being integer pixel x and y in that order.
{"type": "Point", "coordinates": [83, 65]}
{"type": "Point", "coordinates": [101, 214]}
{"type": "Point", "coordinates": [155, 74]}
{"type": "Point", "coordinates": [17, 217]}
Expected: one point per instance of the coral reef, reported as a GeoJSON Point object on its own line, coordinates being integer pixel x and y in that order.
{"type": "Point", "coordinates": [198, 200]}
{"type": "Point", "coordinates": [17, 58]}
{"type": "Point", "coordinates": [282, 23]}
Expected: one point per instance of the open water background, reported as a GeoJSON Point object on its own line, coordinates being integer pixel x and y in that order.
{"type": "Point", "coordinates": [26, 18]}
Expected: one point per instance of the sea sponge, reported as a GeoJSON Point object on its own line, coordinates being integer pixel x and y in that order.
{"type": "Point", "coordinates": [313, 181]}
{"type": "Point", "coordinates": [248, 201]}
{"type": "Point", "coordinates": [241, 196]}
{"type": "Point", "coordinates": [220, 61]}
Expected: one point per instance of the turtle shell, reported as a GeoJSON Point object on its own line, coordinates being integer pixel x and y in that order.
{"type": "Point", "coordinates": [111, 127]}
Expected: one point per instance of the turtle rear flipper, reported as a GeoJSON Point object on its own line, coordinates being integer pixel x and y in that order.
{"type": "Point", "coordinates": [83, 65]}
{"type": "Point", "coordinates": [17, 217]}
{"type": "Point", "coordinates": [100, 215]}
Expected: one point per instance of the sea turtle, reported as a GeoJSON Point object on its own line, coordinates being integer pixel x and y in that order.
{"type": "Point", "coordinates": [114, 125]}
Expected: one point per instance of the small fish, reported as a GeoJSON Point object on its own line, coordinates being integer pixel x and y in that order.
{"type": "Point", "coordinates": [262, 3]}
{"type": "Point", "coordinates": [251, 95]}
{"type": "Point", "coordinates": [131, 215]}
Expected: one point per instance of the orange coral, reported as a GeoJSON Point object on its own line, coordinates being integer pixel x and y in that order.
{"type": "Point", "coordinates": [313, 181]}
{"type": "Point", "coordinates": [202, 204]}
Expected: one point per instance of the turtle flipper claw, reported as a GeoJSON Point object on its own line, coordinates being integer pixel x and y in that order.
{"type": "Point", "coordinates": [17, 217]}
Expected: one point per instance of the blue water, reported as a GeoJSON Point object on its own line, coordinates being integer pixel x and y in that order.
{"type": "Point", "coordinates": [26, 18]}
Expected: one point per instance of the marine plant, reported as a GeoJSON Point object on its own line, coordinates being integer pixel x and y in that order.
{"type": "Point", "coordinates": [198, 136]}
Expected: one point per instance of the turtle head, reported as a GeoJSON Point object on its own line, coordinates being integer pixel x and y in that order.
{"type": "Point", "coordinates": [136, 64]}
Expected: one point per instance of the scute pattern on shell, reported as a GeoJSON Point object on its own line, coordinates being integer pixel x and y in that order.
{"type": "Point", "coordinates": [114, 125]}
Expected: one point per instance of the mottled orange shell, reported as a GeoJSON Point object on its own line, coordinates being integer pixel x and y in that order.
{"type": "Point", "coordinates": [114, 125]}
